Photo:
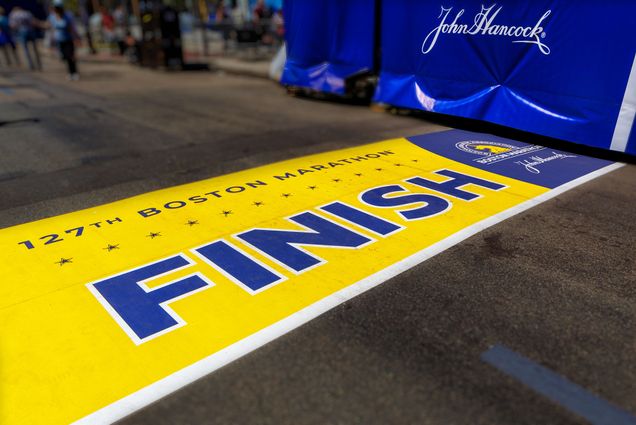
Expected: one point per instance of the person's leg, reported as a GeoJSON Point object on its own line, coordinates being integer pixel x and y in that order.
{"type": "Point", "coordinates": [63, 48]}
{"type": "Point", "coordinates": [25, 47]}
{"type": "Point", "coordinates": [72, 64]}
{"type": "Point", "coordinates": [14, 50]}
{"type": "Point", "coordinates": [68, 53]}
{"type": "Point", "coordinates": [36, 53]}
{"type": "Point", "coordinates": [89, 41]}
{"type": "Point", "coordinates": [5, 51]}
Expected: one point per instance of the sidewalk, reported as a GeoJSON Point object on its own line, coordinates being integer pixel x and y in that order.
{"type": "Point", "coordinates": [216, 62]}
{"type": "Point", "coordinates": [259, 69]}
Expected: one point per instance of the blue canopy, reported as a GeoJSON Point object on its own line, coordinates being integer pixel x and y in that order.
{"type": "Point", "coordinates": [328, 41]}
{"type": "Point", "coordinates": [553, 67]}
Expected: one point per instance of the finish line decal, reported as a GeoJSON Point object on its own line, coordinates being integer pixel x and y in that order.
{"type": "Point", "coordinates": [108, 309]}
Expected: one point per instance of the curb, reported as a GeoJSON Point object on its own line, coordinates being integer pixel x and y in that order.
{"type": "Point", "coordinates": [215, 66]}
{"type": "Point", "coordinates": [238, 70]}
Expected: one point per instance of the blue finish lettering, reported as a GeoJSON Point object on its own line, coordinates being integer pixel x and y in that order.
{"type": "Point", "coordinates": [237, 266]}
{"type": "Point", "coordinates": [280, 244]}
{"type": "Point", "coordinates": [433, 204]}
{"type": "Point", "coordinates": [457, 180]}
{"type": "Point", "coordinates": [361, 218]}
{"type": "Point", "coordinates": [142, 309]}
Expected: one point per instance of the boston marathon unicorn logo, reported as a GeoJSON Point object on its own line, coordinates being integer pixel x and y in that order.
{"type": "Point", "coordinates": [484, 24]}
{"type": "Point", "coordinates": [493, 150]}
{"type": "Point", "coordinates": [490, 152]}
{"type": "Point", "coordinates": [484, 148]}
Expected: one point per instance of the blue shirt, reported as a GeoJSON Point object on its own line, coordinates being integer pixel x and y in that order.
{"type": "Point", "coordinates": [62, 27]}
{"type": "Point", "coordinates": [4, 23]}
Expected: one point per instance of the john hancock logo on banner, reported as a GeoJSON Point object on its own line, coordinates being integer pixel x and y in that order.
{"type": "Point", "coordinates": [484, 24]}
{"type": "Point", "coordinates": [491, 152]}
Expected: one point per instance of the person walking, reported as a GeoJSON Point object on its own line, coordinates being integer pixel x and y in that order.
{"type": "Point", "coordinates": [22, 24]}
{"type": "Point", "coordinates": [6, 40]}
{"type": "Point", "coordinates": [4, 43]}
{"type": "Point", "coordinates": [65, 35]}
{"type": "Point", "coordinates": [120, 21]}
{"type": "Point", "coordinates": [108, 27]}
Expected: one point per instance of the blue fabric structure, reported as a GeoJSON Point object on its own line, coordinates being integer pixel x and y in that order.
{"type": "Point", "coordinates": [274, 4]}
{"type": "Point", "coordinates": [553, 67]}
{"type": "Point", "coordinates": [328, 41]}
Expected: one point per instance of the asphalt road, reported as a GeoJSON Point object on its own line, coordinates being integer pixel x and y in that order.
{"type": "Point", "coordinates": [556, 284]}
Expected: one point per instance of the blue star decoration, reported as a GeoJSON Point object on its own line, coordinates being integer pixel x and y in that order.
{"type": "Point", "coordinates": [110, 247]}
{"type": "Point", "coordinates": [192, 222]}
{"type": "Point", "coordinates": [226, 212]}
{"type": "Point", "coordinates": [153, 235]}
{"type": "Point", "coordinates": [64, 261]}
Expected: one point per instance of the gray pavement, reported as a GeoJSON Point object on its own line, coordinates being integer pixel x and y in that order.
{"type": "Point", "coordinates": [556, 283]}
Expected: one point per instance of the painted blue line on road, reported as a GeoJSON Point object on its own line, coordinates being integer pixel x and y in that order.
{"type": "Point", "coordinates": [556, 388]}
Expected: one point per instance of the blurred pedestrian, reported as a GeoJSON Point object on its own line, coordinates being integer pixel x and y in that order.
{"type": "Point", "coordinates": [261, 11]}
{"type": "Point", "coordinates": [221, 14]}
{"type": "Point", "coordinates": [220, 20]}
{"type": "Point", "coordinates": [6, 40]}
{"type": "Point", "coordinates": [23, 26]}
{"type": "Point", "coordinates": [278, 26]}
{"type": "Point", "coordinates": [65, 35]}
{"type": "Point", "coordinates": [95, 27]}
{"type": "Point", "coordinates": [108, 27]}
{"type": "Point", "coordinates": [119, 29]}
{"type": "Point", "coordinates": [4, 46]}
{"type": "Point", "coordinates": [84, 18]}
{"type": "Point", "coordinates": [132, 49]}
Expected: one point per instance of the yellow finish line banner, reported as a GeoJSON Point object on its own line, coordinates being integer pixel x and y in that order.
{"type": "Point", "coordinates": [104, 310]}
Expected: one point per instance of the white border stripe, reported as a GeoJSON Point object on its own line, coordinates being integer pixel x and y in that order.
{"type": "Point", "coordinates": [185, 376]}
{"type": "Point", "coordinates": [626, 115]}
